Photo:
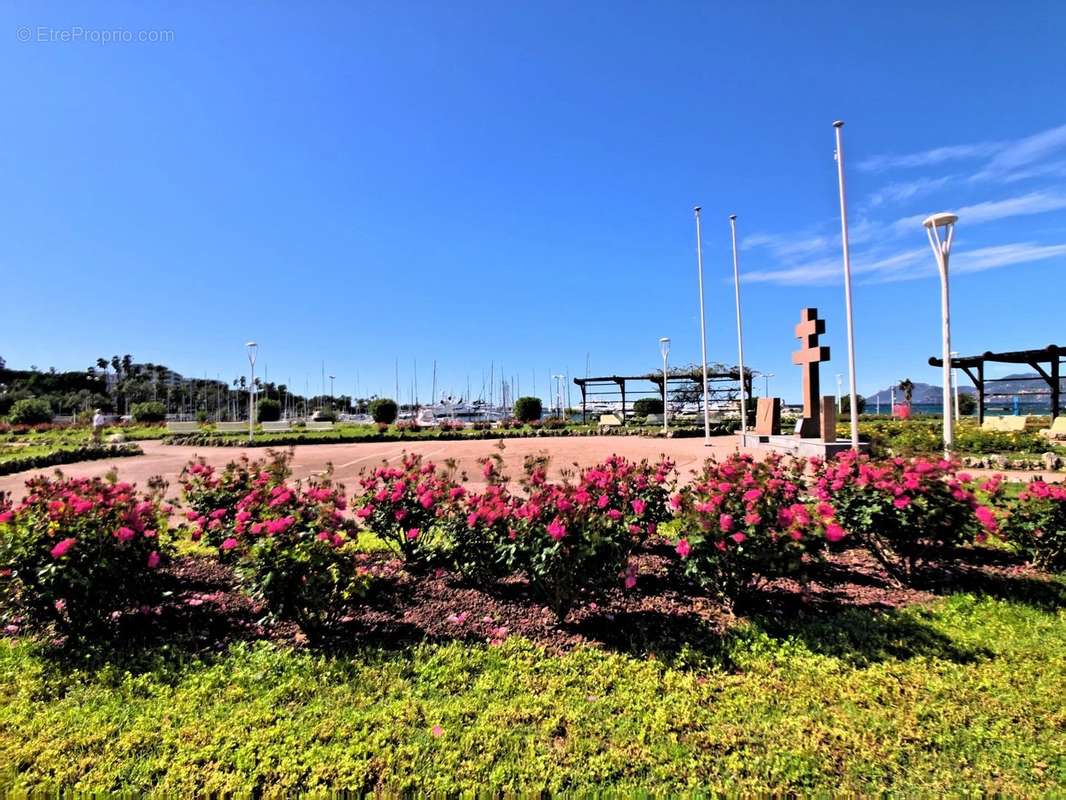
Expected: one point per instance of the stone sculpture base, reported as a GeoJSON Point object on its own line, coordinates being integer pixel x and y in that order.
{"type": "Point", "coordinates": [797, 446]}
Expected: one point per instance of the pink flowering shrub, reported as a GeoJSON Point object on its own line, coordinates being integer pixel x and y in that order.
{"type": "Point", "coordinates": [295, 550]}
{"type": "Point", "coordinates": [570, 537]}
{"type": "Point", "coordinates": [75, 550]}
{"type": "Point", "coordinates": [212, 496]}
{"type": "Point", "coordinates": [402, 504]}
{"type": "Point", "coordinates": [1036, 524]}
{"type": "Point", "coordinates": [744, 522]}
{"type": "Point", "coordinates": [905, 510]}
{"type": "Point", "coordinates": [476, 525]}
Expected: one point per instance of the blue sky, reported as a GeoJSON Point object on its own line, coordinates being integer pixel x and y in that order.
{"type": "Point", "coordinates": [354, 183]}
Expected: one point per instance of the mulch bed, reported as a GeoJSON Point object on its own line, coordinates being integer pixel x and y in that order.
{"type": "Point", "coordinates": [204, 610]}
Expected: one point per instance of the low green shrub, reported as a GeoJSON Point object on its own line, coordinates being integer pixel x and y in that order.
{"type": "Point", "coordinates": [648, 405]}
{"type": "Point", "coordinates": [527, 409]}
{"type": "Point", "coordinates": [148, 412]}
{"type": "Point", "coordinates": [268, 410]}
{"type": "Point", "coordinates": [30, 411]}
{"type": "Point", "coordinates": [384, 410]}
{"type": "Point", "coordinates": [68, 455]}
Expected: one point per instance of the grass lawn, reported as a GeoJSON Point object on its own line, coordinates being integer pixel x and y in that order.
{"type": "Point", "coordinates": [963, 696]}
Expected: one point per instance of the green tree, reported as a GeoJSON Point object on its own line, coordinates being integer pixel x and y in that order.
{"type": "Point", "coordinates": [527, 409]}
{"type": "Point", "coordinates": [648, 405]}
{"type": "Point", "coordinates": [30, 411]}
{"type": "Point", "coordinates": [384, 410]}
{"type": "Point", "coordinates": [967, 404]}
{"type": "Point", "coordinates": [268, 410]}
{"type": "Point", "coordinates": [845, 403]}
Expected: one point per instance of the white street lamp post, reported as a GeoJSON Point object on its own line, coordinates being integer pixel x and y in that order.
{"type": "Point", "coordinates": [559, 394]}
{"type": "Point", "coordinates": [331, 405]}
{"type": "Point", "coordinates": [840, 404]}
{"type": "Point", "coordinates": [703, 336]}
{"type": "Point", "coordinates": [740, 331]}
{"type": "Point", "coordinates": [942, 250]}
{"type": "Point", "coordinates": [853, 394]}
{"type": "Point", "coordinates": [766, 382]}
{"type": "Point", "coordinates": [664, 348]}
{"type": "Point", "coordinates": [252, 348]}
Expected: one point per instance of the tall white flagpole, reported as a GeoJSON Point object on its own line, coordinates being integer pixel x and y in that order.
{"type": "Point", "coordinates": [853, 406]}
{"type": "Point", "coordinates": [740, 330]}
{"type": "Point", "coordinates": [703, 330]}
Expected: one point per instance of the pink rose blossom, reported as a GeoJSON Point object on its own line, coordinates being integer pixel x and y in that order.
{"type": "Point", "coordinates": [63, 547]}
{"type": "Point", "coordinates": [556, 529]}
{"type": "Point", "coordinates": [683, 548]}
{"type": "Point", "coordinates": [153, 560]}
{"type": "Point", "coordinates": [229, 543]}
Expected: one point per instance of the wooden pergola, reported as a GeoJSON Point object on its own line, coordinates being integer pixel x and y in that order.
{"type": "Point", "coordinates": [615, 385]}
{"type": "Point", "coordinates": [974, 367]}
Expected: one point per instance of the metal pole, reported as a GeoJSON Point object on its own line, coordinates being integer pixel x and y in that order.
{"type": "Point", "coordinates": [740, 333]}
{"type": "Point", "coordinates": [666, 409]}
{"type": "Point", "coordinates": [955, 386]}
{"type": "Point", "coordinates": [252, 348]}
{"type": "Point", "coordinates": [854, 416]}
{"type": "Point", "coordinates": [703, 341]}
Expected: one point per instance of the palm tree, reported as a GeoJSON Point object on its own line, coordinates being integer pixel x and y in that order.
{"type": "Point", "coordinates": [907, 387]}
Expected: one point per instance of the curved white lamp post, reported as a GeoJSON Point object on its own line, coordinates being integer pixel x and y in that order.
{"type": "Point", "coordinates": [252, 348]}
{"type": "Point", "coordinates": [941, 230]}
{"type": "Point", "coordinates": [664, 348]}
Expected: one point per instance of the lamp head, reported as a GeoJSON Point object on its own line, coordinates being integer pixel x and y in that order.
{"type": "Point", "coordinates": [664, 346]}
{"type": "Point", "coordinates": [941, 220]}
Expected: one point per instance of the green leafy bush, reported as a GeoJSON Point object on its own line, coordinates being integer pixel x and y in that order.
{"type": "Point", "coordinates": [76, 550]}
{"type": "Point", "coordinates": [527, 409]}
{"type": "Point", "coordinates": [30, 411]}
{"type": "Point", "coordinates": [268, 410]}
{"type": "Point", "coordinates": [68, 455]}
{"type": "Point", "coordinates": [148, 412]}
{"type": "Point", "coordinates": [648, 405]}
{"type": "Point", "coordinates": [384, 410]}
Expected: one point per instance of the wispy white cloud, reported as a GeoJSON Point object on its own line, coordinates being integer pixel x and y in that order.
{"type": "Point", "coordinates": [988, 211]}
{"type": "Point", "coordinates": [1020, 156]}
{"type": "Point", "coordinates": [905, 190]}
{"type": "Point", "coordinates": [908, 265]}
{"type": "Point", "coordinates": [787, 247]}
{"type": "Point", "coordinates": [926, 158]}
{"type": "Point", "coordinates": [1004, 255]}
{"type": "Point", "coordinates": [830, 270]}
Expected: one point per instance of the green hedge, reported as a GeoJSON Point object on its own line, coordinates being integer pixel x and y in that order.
{"type": "Point", "coordinates": [69, 456]}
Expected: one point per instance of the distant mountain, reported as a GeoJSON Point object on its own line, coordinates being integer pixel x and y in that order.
{"type": "Point", "coordinates": [1005, 388]}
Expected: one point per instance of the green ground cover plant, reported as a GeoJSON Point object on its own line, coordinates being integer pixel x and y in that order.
{"type": "Point", "coordinates": [962, 697]}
